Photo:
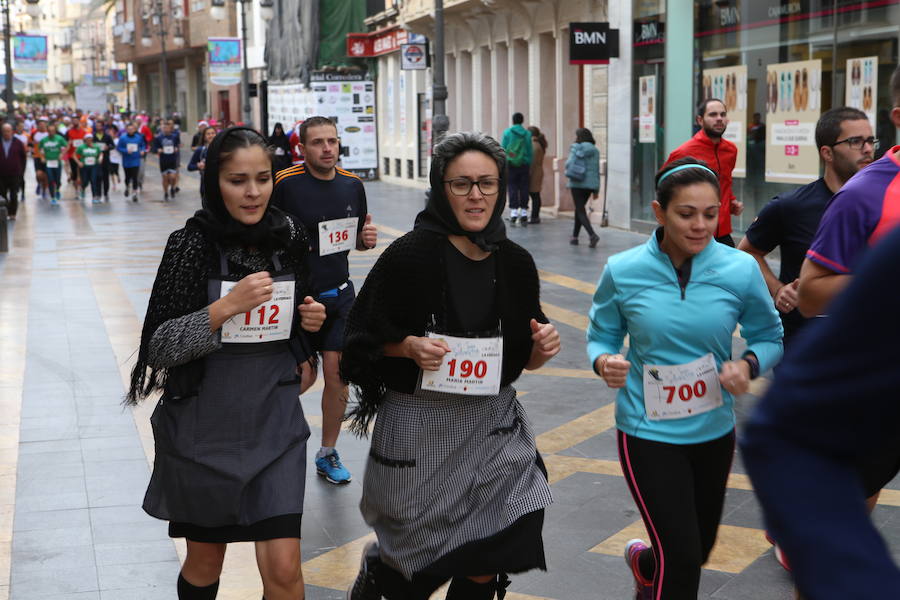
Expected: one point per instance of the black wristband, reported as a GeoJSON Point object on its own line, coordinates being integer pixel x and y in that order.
{"type": "Point", "coordinates": [754, 365]}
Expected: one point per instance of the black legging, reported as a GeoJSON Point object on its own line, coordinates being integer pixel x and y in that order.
{"type": "Point", "coordinates": [104, 177]}
{"type": "Point", "coordinates": [679, 490]}
{"type": "Point", "coordinates": [393, 586]}
{"type": "Point", "coordinates": [581, 196]}
{"type": "Point", "coordinates": [535, 204]}
{"type": "Point", "coordinates": [131, 177]}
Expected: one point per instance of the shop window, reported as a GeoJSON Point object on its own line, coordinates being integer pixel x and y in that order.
{"type": "Point", "coordinates": [387, 166]}
{"type": "Point", "coordinates": [410, 170]}
{"type": "Point", "coordinates": [398, 167]}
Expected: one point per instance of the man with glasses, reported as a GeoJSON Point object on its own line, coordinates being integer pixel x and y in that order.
{"type": "Point", "coordinates": [790, 220]}
{"type": "Point", "coordinates": [866, 208]}
{"type": "Point", "coordinates": [331, 204]}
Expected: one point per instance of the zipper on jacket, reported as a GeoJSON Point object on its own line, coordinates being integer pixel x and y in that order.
{"type": "Point", "coordinates": [683, 277]}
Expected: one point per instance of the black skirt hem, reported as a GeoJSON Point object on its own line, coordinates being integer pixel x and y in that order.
{"type": "Point", "coordinates": [281, 526]}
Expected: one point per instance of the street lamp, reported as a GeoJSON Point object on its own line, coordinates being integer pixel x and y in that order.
{"type": "Point", "coordinates": [157, 15]}
{"type": "Point", "coordinates": [217, 11]}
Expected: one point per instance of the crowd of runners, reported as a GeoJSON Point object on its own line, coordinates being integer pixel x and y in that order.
{"type": "Point", "coordinates": [253, 297]}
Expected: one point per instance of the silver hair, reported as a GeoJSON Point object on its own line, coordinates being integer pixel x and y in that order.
{"type": "Point", "coordinates": [455, 144]}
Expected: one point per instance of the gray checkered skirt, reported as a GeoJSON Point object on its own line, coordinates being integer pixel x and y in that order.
{"type": "Point", "coordinates": [448, 469]}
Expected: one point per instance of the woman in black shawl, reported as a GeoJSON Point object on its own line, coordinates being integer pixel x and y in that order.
{"type": "Point", "coordinates": [222, 341]}
{"type": "Point", "coordinates": [446, 321]}
{"type": "Point", "coordinates": [282, 145]}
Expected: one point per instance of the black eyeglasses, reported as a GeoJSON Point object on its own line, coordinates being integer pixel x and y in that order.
{"type": "Point", "coordinates": [857, 142]}
{"type": "Point", "coordinates": [462, 186]}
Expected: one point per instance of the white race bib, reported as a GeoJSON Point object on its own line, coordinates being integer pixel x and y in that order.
{"type": "Point", "coordinates": [90, 161]}
{"type": "Point", "coordinates": [268, 322]}
{"type": "Point", "coordinates": [680, 391]}
{"type": "Point", "coordinates": [168, 149]}
{"type": "Point", "coordinates": [131, 147]}
{"type": "Point", "coordinates": [102, 147]}
{"type": "Point", "coordinates": [279, 151]}
{"type": "Point", "coordinates": [77, 143]}
{"type": "Point", "coordinates": [52, 164]}
{"type": "Point", "coordinates": [472, 367]}
{"type": "Point", "coordinates": [337, 235]}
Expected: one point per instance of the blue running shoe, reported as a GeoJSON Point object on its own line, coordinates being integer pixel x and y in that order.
{"type": "Point", "coordinates": [643, 589]}
{"type": "Point", "coordinates": [331, 468]}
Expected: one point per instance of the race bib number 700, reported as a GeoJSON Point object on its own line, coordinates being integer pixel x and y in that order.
{"type": "Point", "coordinates": [680, 391]}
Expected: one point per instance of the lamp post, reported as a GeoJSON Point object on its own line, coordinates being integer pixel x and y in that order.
{"type": "Point", "coordinates": [440, 122]}
{"type": "Point", "coordinates": [159, 14]}
{"type": "Point", "coordinates": [218, 12]}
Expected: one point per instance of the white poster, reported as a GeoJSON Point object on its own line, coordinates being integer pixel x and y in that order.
{"type": "Point", "coordinates": [793, 107]}
{"type": "Point", "coordinates": [647, 110]}
{"type": "Point", "coordinates": [347, 100]}
{"type": "Point", "coordinates": [389, 112]}
{"type": "Point", "coordinates": [402, 104]}
{"type": "Point", "coordinates": [862, 85]}
{"type": "Point", "coordinates": [729, 84]}
{"type": "Point", "coordinates": [91, 98]}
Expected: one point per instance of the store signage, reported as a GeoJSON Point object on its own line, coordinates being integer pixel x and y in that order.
{"type": "Point", "coordinates": [366, 45]}
{"type": "Point", "coordinates": [224, 61]}
{"type": "Point", "coordinates": [729, 84]}
{"type": "Point", "coordinates": [30, 57]}
{"type": "Point", "coordinates": [647, 109]}
{"type": "Point", "coordinates": [793, 106]}
{"type": "Point", "coordinates": [414, 57]}
{"type": "Point", "coordinates": [592, 43]}
{"type": "Point", "coordinates": [862, 85]}
{"type": "Point", "coordinates": [649, 32]}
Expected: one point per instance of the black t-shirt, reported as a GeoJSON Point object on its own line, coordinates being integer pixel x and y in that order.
{"type": "Point", "coordinates": [471, 293]}
{"type": "Point", "coordinates": [313, 201]}
{"type": "Point", "coordinates": [790, 221]}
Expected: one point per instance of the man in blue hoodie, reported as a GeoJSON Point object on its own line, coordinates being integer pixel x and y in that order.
{"type": "Point", "coordinates": [132, 146]}
{"type": "Point", "coordinates": [517, 143]}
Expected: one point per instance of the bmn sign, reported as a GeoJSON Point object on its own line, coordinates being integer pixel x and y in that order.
{"type": "Point", "coordinates": [592, 43]}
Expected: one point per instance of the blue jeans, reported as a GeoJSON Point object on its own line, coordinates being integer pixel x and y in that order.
{"type": "Point", "coordinates": [91, 175]}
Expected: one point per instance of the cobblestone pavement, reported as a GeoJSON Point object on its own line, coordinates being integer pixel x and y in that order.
{"type": "Point", "coordinates": [74, 464]}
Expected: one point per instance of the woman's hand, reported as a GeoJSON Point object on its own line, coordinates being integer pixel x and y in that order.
{"type": "Point", "coordinates": [427, 353]}
{"type": "Point", "coordinates": [312, 314]}
{"type": "Point", "coordinates": [786, 298]}
{"type": "Point", "coordinates": [735, 377]}
{"type": "Point", "coordinates": [546, 344]}
{"type": "Point", "coordinates": [250, 292]}
{"type": "Point", "coordinates": [613, 368]}
{"type": "Point", "coordinates": [201, 164]}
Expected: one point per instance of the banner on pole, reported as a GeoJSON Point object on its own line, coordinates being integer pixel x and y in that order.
{"type": "Point", "coordinates": [30, 57]}
{"type": "Point", "coordinates": [224, 61]}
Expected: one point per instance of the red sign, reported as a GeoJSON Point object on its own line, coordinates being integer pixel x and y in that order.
{"type": "Point", "coordinates": [363, 45]}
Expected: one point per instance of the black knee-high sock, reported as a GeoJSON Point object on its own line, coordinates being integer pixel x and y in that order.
{"type": "Point", "coordinates": [463, 588]}
{"type": "Point", "coordinates": [186, 591]}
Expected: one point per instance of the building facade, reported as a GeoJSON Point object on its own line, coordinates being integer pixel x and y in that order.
{"type": "Point", "coordinates": [777, 65]}
{"type": "Point", "coordinates": [502, 57]}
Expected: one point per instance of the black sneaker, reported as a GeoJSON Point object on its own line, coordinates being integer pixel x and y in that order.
{"type": "Point", "coordinates": [365, 587]}
{"type": "Point", "coordinates": [535, 220]}
{"type": "Point", "coordinates": [523, 221]}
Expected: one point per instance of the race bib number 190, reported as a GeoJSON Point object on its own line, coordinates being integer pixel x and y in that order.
{"type": "Point", "coordinates": [337, 235]}
{"type": "Point", "coordinates": [268, 322]}
{"type": "Point", "coordinates": [472, 367]}
{"type": "Point", "coordinates": [680, 391]}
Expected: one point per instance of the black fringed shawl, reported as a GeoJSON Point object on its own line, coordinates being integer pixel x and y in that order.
{"type": "Point", "coordinates": [403, 290]}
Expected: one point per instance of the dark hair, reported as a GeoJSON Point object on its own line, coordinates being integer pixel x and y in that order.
{"type": "Point", "coordinates": [242, 138]}
{"type": "Point", "coordinates": [278, 126]}
{"type": "Point", "coordinates": [314, 122]}
{"type": "Point", "coordinates": [536, 134]}
{"type": "Point", "coordinates": [454, 144]}
{"type": "Point", "coordinates": [701, 108]}
{"type": "Point", "coordinates": [895, 86]}
{"type": "Point", "coordinates": [828, 129]}
{"type": "Point", "coordinates": [681, 178]}
{"type": "Point", "coordinates": [583, 134]}
{"type": "Point", "coordinates": [518, 119]}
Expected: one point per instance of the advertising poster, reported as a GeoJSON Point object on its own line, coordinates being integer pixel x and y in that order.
{"type": "Point", "coordinates": [30, 57]}
{"type": "Point", "coordinates": [729, 84]}
{"type": "Point", "coordinates": [862, 85]}
{"type": "Point", "coordinates": [792, 107]}
{"type": "Point", "coordinates": [647, 109]}
{"type": "Point", "coordinates": [348, 100]}
{"type": "Point", "coordinates": [224, 61]}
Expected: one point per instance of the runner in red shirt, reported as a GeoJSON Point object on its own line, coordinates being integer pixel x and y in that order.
{"type": "Point", "coordinates": [75, 135]}
{"type": "Point", "coordinates": [720, 155]}
{"type": "Point", "coordinates": [145, 131]}
{"type": "Point", "coordinates": [297, 157]}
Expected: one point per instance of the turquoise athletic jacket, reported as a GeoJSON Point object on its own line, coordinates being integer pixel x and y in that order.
{"type": "Point", "coordinates": [639, 295]}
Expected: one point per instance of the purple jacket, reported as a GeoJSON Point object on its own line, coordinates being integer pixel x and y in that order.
{"type": "Point", "coordinates": [13, 164]}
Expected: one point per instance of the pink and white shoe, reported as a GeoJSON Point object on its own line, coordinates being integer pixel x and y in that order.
{"type": "Point", "coordinates": [643, 589]}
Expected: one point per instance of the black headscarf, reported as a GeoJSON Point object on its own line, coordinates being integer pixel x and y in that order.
{"type": "Point", "coordinates": [438, 215]}
{"type": "Point", "coordinates": [270, 233]}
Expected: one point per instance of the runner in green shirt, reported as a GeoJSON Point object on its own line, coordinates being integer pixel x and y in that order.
{"type": "Point", "coordinates": [51, 149]}
{"type": "Point", "coordinates": [88, 156]}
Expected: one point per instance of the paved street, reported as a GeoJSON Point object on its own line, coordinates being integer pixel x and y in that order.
{"type": "Point", "coordinates": [74, 464]}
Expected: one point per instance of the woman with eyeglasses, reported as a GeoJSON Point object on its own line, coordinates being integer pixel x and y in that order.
{"type": "Point", "coordinates": [446, 321]}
